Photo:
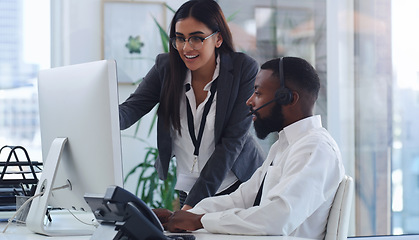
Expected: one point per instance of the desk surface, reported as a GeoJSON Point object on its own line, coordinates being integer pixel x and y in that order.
{"type": "Point", "coordinates": [20, 232]}
{"type": "Point", "coordinates": [17, 231]}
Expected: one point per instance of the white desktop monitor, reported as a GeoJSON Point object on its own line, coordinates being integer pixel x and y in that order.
{"type": "Point", "coordinates": [80, 135]}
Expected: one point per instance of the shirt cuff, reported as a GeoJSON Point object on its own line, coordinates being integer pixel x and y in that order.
{"type": "Point", "coordinates": [210, 222]}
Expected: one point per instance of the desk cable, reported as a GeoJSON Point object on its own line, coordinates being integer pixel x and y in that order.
{"type": "Point", "coordinates": [10, 220]}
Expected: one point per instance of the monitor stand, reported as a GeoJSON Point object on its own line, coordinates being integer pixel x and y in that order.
{"type": "Point", "coordinates": [35, 220]}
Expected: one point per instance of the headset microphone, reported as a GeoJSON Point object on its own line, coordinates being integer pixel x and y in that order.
{"type": "Point", "coordinates": [264, 105]}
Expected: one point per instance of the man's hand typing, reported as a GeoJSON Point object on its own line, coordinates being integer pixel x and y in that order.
{"type": "Point", "coordinates": [181, 221]}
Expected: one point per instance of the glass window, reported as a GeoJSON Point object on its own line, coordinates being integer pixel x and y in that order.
{"type": "Point", "coordinates": [405, 151]}
{"type": "Point", "coordinates": [24, 50]}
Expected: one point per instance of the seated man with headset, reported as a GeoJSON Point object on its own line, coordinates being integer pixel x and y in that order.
{"type": "Point", "coordinates": [292, 192]}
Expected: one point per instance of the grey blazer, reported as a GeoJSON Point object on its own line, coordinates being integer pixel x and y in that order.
{"type": "Point", "coordinates": [235, 149]}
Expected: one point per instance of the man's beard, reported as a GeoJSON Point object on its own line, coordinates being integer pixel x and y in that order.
{"type": "Point", "coordinates": [273, 123]}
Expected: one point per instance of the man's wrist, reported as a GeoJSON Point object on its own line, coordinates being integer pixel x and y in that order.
{"type": "Point", "coordinates": [199, 221]}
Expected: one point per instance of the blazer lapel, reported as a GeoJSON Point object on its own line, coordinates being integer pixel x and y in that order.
{"type": "Point", "coordinates": [225, 83]}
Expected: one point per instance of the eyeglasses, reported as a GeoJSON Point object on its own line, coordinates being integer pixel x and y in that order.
{"type": "Point", "coordinates": [195, 41]}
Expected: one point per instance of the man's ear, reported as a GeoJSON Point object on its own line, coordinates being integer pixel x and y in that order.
{"type": "Point", "coordinates": [295, 98]}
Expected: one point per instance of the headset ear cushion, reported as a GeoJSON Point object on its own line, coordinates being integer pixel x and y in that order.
{"type": "Point", "coordinates": [283, 96]}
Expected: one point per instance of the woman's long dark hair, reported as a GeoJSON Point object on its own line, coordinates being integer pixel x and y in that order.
{"type": "Point", "coordinates": [209, 13]}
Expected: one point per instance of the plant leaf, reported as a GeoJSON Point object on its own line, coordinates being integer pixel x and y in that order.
{"type": "Point", "coordinates": [163, 36]}
{"type": "Point", "coordinates": [232, 16]}
{"type": "Point", "coordinates": [153, 122]}
{"type": "Point", "coordinates": [171, 9]}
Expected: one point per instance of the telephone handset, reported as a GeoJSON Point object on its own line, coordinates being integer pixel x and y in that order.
{"type": "Point", "coordinates": [122, 215]}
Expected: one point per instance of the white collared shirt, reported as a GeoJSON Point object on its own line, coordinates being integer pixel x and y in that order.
{"type": "Point", "coordinates": [183, 147]}
{"type": "Point", "coordinates": [299, 188]}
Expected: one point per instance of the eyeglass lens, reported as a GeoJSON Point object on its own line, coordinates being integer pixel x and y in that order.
{"type": "Point", "coordinates": [194, 41]}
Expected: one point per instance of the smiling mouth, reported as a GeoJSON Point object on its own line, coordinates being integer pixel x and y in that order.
{"type": "Point", "coordinates": [191, 56]}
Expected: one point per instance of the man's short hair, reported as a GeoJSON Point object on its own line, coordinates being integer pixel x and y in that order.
{"type": "Point", "coordinates": [298, 73]}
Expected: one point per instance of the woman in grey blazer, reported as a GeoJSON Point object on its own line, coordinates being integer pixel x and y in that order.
{"type": "Point", "coordinates": [202, 86]}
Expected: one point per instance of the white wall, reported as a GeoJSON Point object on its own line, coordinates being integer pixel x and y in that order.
{"type": "Point", "coordinates": [76, 31]}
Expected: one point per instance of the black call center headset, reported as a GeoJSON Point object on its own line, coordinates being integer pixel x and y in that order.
{"type": "Point", "coordinates": [283, 95]}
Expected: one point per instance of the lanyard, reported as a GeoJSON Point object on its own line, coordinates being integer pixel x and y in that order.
{"type": "Point", "coordinates": [197, 141]}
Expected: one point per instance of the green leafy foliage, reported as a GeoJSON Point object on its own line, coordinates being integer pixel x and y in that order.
{"type": "Point", "coordinates": [149, 185]}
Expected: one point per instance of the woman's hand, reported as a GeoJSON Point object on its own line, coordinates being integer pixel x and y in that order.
{"type": "Point", "coordinates": [186, 207]}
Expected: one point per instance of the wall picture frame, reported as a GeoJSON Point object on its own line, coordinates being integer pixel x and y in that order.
{"type": "Point", "coordinates": [131, 36]}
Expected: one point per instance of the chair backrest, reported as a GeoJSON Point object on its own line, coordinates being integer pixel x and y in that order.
{"type": "Point", "coordinates": [338, 221]}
